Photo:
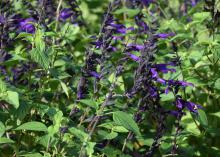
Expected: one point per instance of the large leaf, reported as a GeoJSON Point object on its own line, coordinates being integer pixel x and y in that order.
{"type": "Point", "coordinates": [33, 126]}
{"type": "Point", "coordinates": [126, 120]}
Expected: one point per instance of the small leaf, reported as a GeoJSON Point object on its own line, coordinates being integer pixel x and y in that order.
{"type": "Point", "coordinates": [33, 126]}
{"type": "Point", "coordinates": [2, 128]}
{"type": "Point", "coordinates": [32, 155]}
{"type": "Point", "coordinates": [13, 98]}
{"type": "Point", "coordinates": [89, 102]}
{"type": "Point", "coordinates": [202, 118]}
{"type": "Point", "coordinates": [217, 114]}
{"type": "Point", "coordinates": [5, 140]}
{"type": "Point", "coordinates": [217, 84]}
{"type": "Point", "coordinates": [90, 148]}
{"type": "Point", "coordinates": [126, 120]}
{"type": "Point", "coordinates": [79, 133]}
{"type": "Point", "coordinates": [201, 16]}
{"type": "Point", "coordinates": [2, 86]}
{"type": "Point", "coordinates": [65, 88]}
{"type": "Point", "coordinates": [111, 135]}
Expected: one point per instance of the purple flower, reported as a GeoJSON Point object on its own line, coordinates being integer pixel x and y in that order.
{"type": "Point", "coordinates": [65, 13]}
{"type": "Point", "coordinates": [160, 80]}
{"type": "Point", "coordinates": [153, 91]}
{"type": "Point", "coordinates": [156, 77]}
{"type": "Point", "coordinates": [164, 35]}
{"type": "Point", "coordinates": [111, 49]}
{"type": "Point", "coordinates": [97, 44]}
{"type": "Point", "coordinates": [135, 47]}
{"type": "Point", "coordinates": [26, 25]}
{"type": "Point", "coordinates": [163, 68]}
{"type": "Point", "coordinates": [143, 27]}
{"type": "Point", "coordinates": [154, 73]}
{"type": "Point", "coordinates": [146, 2]}
{"type": "Point", "coordinates": [2, 19]}
{"type": "Point", "coordinates": [133, 57]}
{"type": "Point", "coordinates": [192, 107]}
{"type": "Point", "coordinates": [179, 83]}
{"type": "Point", "coordinates": [194, 2]}
{"type": "Point", "coordinates": [95, 74]}
{"type": "Point", "coordinates": [118, 38]}
{"type": "Point", "coordinates": [119, 28]}
{"type": "Point", "coordinates": [180, 103]}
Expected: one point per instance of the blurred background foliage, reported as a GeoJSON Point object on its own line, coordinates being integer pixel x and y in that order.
{"type": "Point", "coordinates": [41, 89]}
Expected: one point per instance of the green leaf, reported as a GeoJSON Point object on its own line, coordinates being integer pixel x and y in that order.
{"type": "Point", "coordinates": [126, 120]}
{"type": "Point", "coordinates": [5, 140]}
{"type": "Point", "coordinates": [167, 97]}
{"type": "Point", "coordinates": [2, 128]}
{"type": "Point", "coordinates": [2, 86]}
{"type": "Point", "coordinates": [111, 135]}
{"type": "Point", "coordinates": [32, 155]}
{"type": "Point", "coordinates": [201, 16]}
{"type": "Point", "coordinates": [202, 118]}
{"type": "Point", "coordinates": [79, 134]}
{"type": "Point", "coordinates": [119, 129]}
{"type": "Point", "coordinates": [13, 98]}
{"type": "Point", "coordinates": [217, 114]}
{"type": "Point", "coordinates": [65, 88]}
{"type": "Point", "coordinates": [33, 126]}
{"type": "Point", "coordinates": [38, 53]}
{"type": "Point", "coordinates": [129, 12]}
{"type": "Point", "coordinates": [89, 102]}
{"type": "Point", "coordinates": [26, 36]}
{"type": "Point", "coordinates": [217, 84]}
{"type": "Point", "coordinates": [40, 57]}
{"type": "Point", "coordinates": [90, 148]}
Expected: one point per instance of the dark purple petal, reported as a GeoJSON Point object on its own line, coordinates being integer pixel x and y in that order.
{"type": "Point", "coordinates": [163, 68]}
{"type": "Point", "coordinates": [133, 57]}
{"type": "Point", "coordinates": [94, 74]}
{"type": "Point", "coordinates": [135, 47]}
{"type": "Point", "coordinates": [154, 73]}
{"type": "Point", "coordinates": [179, 83]}
{"type": "Point", "coordinates": [167, 90]}
{"type": "Point", "coordinates": [160, 80]}
{"type": "Point", "coordinates": [146, 2]}
{"type": "Point", "coordinates": [180, 103]}
{"type": "Point", "coordinates": [65, 13]}
{"type": "Point", "coordinates": [164, 35]}
{"type": "Point", "coordinates": [192, 107]}
{"type": "Point", "coordinates": [118, 38]}
{"type": "Point", "coordinates": [26, 25]}
{"type": "Point", "coordinates": [153, 91]}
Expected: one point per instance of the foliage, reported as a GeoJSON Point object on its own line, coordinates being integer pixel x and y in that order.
{"type": "Point", "coordinates": [109, 78]}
